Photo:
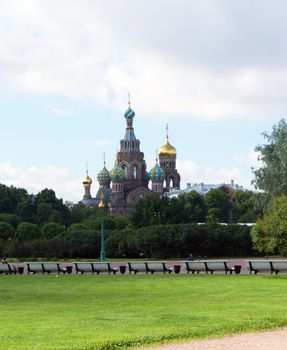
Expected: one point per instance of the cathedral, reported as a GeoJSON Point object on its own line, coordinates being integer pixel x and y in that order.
{"type": "Point", "coordinates": [128, 181]}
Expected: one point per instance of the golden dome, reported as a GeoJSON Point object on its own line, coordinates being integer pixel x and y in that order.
{"type": "Point", "coordinates": [167, 151]}
{"type": "Point", "coordinates": [87, 181]}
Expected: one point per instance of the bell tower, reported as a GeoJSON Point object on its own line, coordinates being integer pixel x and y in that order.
{"type": "Point", "coordinates": [167, 161]}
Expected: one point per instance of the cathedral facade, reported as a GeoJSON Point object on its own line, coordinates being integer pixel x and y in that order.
{"type": "Point", "coordinates": [128, 181]}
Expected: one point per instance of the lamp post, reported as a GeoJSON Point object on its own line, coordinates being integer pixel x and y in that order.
{"type": "Point", "coordinates": [103, 253]}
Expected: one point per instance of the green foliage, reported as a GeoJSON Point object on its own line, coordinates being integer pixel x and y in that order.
{"type": "Point", "coordinates": [169, 241]}
{"type": "Point", "coordinates": [10, 197]}
{"type": "Point", "coordinates": [82, 242]}
{"type": "Point", "coordinates": [12, 219]}
{"type": "Point", "coordinates": [160, 210]}
{"type": "Point", "coordinates": [269, 235]}
{"type": "Point", "coordinates": [50, 208]}
{"type": "Point", "coordinates": [152, 210]}
{"type": "Point", "coordinates": [271, 177]}
{"type": "Point", "coordinates": [244, 209]}
{"type": "Point", "coordinates": [218, 206]}
{"type": "Point", "coordinates": [52, 229]}
{"type": "Point", "coordinates": [36, 248]}
{"type": "Point", "coordinates": [104, 309]}
{"type": "Point", "coordinates": [7, 231]}
{"type": "Point", "coordinates": [27, 231]}
{"type": "Point", "coordinates": [194, 209]}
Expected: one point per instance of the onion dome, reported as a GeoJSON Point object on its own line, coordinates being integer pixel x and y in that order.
{"type": "Point", "coordinates": [167, 150]}
{"type": "Point", "coordinates": [104, 176]}
{"type": "Point", "coordinates": [157, 173]}
{"type": "Point", "coordinates": [87, 181]}
{"type": "Point", "coordinates": [117, 173]}
{"type": "Point", "coordinates": [129, 113]}
{"type": "Point", "coordinates": [147, 175]}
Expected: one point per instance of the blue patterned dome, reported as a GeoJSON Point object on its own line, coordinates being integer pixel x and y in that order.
{"type": "Point", "coordinates": [117, 173]}
{"type": "Point", "coordinates": [129, 113]}
{"type": "Point", "coordinates": [147, 175]}
{"type": "Point", "coordinates": [104, 176]}
{"type": "Point", "coordinates": [157, 173]}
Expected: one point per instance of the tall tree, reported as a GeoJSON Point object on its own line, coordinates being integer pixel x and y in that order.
{"type": "Point", "coordinates": [218, 206]}
{"type": "Point", "coordinates": [272, 176]}
{"type": "Point", "coordinates": [269, 235]}
{"type": "Point", "coordinates": [244, 207]}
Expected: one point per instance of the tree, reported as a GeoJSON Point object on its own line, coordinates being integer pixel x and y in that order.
{"type": "Point", "coordinates": [152, 210]}
{"type": "Point", "coordinates": [50, 208]}
{"type": "Point", "coordinates": [82, 242]}
{"type": "Point", "coordinates": [194, 207]}
{"type": "Point", "coordinates": [12, 219]}
{"type": "Point", "coordinates": [244, 206]}
{"type": "Point", "coordinates": [271, 177]}
{"type": "Point", "coordinates": [52, 229]}
{"type": "Point", "coordinates": [269, 235]}
{"type": "Point", "coordinates": [7, 231]}
{"type": "Point", "coordinates": [27, 231]}
{"type": "Point", "coordinates": [218, 206]}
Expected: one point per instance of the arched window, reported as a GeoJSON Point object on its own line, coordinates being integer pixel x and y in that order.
{"type": "Point", "coordinates": [125, 170]}
{"type": "Point", "coordinates": [134, 172]}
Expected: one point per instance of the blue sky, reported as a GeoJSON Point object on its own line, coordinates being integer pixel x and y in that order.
{"type": "Point", "coordinates": [215, 71]}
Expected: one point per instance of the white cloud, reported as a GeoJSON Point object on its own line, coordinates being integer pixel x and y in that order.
{"type": "Point", "coordinates": [250, 159]}
{"type": "Point", "coordinates": [36, 178]}
{"type": "Point", "coordinates": [196, 60]}
{"type": "Point", "coordinates": [193, 173]}
{"type": "Point", "coordinates": [60, 110]}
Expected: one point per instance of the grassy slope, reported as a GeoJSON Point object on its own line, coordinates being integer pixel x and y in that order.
{"type": "Point", "coordinates": [107, 312]}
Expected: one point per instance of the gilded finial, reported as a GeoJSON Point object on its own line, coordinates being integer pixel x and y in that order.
{"type": "Point", "coordinates": [129, 99]}
{"type": "Point", "coordinates": [87, 170]}
{"type": "Point", "coordinates": [104, 159]}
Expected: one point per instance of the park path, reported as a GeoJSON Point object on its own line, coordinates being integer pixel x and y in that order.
{"type": "Point", "coordinates": [270, 340]}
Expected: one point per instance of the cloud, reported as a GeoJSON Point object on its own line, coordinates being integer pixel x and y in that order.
{"type": "Point", "coordinates": [194, 173]}
{"type": "Point", "coordinates": [37, 178]}
{"type": "Point", "coordinates": [250, 159]}
{"type": "Point", "coordinates": [206, 59]}
{"type": "Point", "coordinates": [60, 110]}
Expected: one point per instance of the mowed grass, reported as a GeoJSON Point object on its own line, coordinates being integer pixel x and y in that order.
{"type": "Point", "coordinates": [114, 312]}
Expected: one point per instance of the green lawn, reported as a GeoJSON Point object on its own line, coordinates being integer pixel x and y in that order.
{"type": "Point", "coordinates": [111, 312]}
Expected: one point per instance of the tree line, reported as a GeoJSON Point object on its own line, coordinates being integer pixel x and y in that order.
{"type": "Point", "coordinates": [42, 225]}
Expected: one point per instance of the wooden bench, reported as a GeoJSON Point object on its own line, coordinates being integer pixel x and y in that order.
{"type": "Point", "coordinates": [83, 267]}
{"type": "Point", "coordinates": [34, 267]}
{"type": "Point", "coordinates": [195, 266]}
{"type": "Point", "coordinates": [51, 267]}
{"type": "Point", "coordinates": [208, 266]}
{"type": "Point", "coordinates": [279, 266]}
{"type": "Point", "coordinates": [259, 266]}
{"type": "Point", "coordinates": [218, 265]}
{"type": "Point", "coordinates": [137, 267]}
{"type": "Point", "coordinates": [99, 267]}
{"type": "Point", "coordinates": [158, 266]}
{"type": "Point", "coordinates": [7, 269]}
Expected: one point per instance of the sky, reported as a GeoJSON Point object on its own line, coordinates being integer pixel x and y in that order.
{"type": "Point", "coordinates": [214, 70]}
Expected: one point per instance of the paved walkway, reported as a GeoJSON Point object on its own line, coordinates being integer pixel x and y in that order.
{"type": "Point", "coordinates": [271, 340]}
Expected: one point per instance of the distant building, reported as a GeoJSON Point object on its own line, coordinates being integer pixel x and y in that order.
{"type": "Point", "coordinates": [128, 181]}
{"type": "Point", "coordinates": [202, 189]}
